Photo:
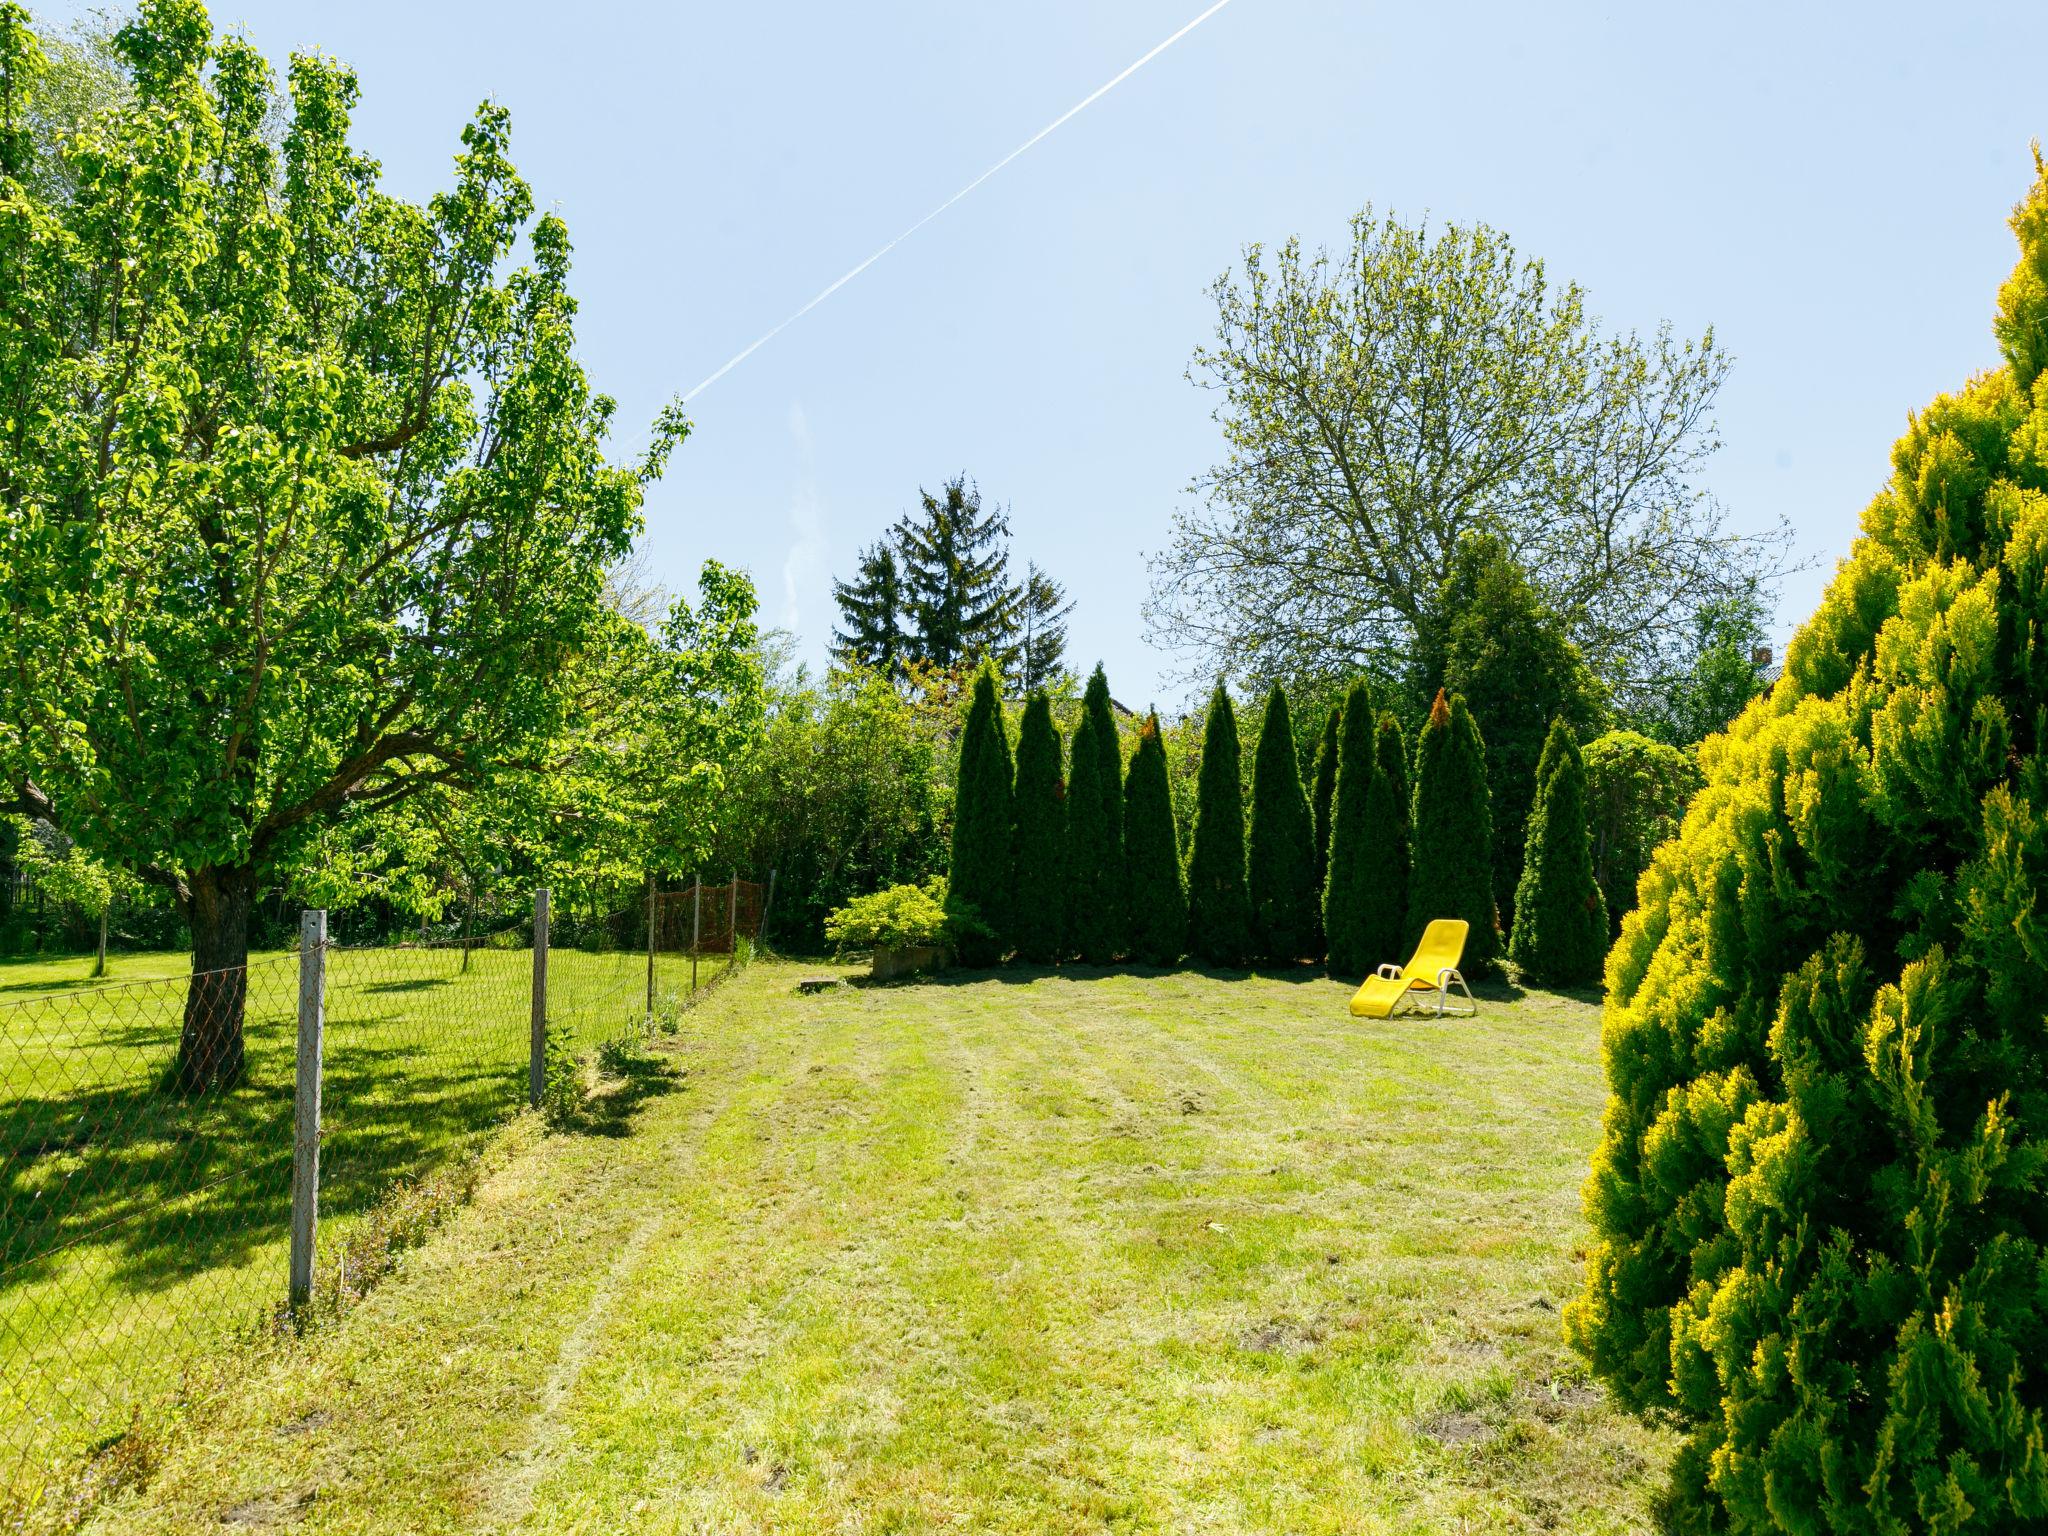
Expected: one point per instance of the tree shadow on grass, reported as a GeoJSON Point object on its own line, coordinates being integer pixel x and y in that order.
{"type": "Point", "coordinates": [1021, 974]}
{"type": "Point", "coordinates": [627, 1080]}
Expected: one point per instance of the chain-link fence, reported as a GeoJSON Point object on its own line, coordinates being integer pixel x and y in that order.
{"type": "Point", "coordinates": [145, 1222]}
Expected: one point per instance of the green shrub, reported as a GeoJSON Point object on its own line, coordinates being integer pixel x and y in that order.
{"type": "Point", "coordinates": [1094, 906]}
{"type": "Point", "coordinates": [1451, 834]}
{"type": "Point", "coordinates": [1820, 1206]}
{"type": "Point", "coordinates": [980, 878]}
{"type": "Point", "coordinates": [561, 1091]}
{"type": "Point", "coordinates": [1219, 906]}
{"type": "Point", "coordinates": [1560, 932]}
{"type": "Point", "coordinates": [899, 916]}
{"type": "Point", "coordinates": [1280, 854]}
{"type": "Point", "coordinates": [1322, 796]}
{"type": "Point", "coordinates": [1038, 916]}
{"type": "Point", "coordinates": [1636, 791]}
{"type": "Point", "coordinates": [1158, 900]}
{"type": "Point", "coordinates": [1347, 888]}
{"type": "Point", "coordinates": [1383, 900]}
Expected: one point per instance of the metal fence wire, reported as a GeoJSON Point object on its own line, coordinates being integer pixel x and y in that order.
{"type": "Point", "coordinates": [144, 1225]}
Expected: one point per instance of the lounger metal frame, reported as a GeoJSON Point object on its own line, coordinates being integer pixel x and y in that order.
{"type": "Point", "coordinates": [1444, 980]}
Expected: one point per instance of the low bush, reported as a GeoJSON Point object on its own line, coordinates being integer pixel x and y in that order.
{"type": "Point", "coordinates": [897, 916]}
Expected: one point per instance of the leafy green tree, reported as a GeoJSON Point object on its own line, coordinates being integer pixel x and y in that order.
{"type": "Point", "coordinates": [304, 499]}
{"type": "Point", "coordinates": [1451, 834]}
{"type": "Point", "coordinates": [1323, 796]}
{"type": "Point", "coordinates": [1280, 857]}
{"type": "Point", "coordinates": [1508, 656]}
{"type": "Point", "coordinates": [1818, 1205]}
{"type": "Point", "coordinates": [1560, 932]}
{"type": "Point", "coordinates": [1157, 894]}
{"type": "Point", "coordinates": [1636, 791]}
{"type": "Point", "coordinates": [958, 600]}
{"type": "Point", "coordinates": [871, 613]}
{"type": "Point", "coordinates": [1720, 674]}
{"type": "Point", "coordinates": [1354, 863]}
{"type": "Point", "coordinates": [1044, 885]}
{"type": "Point", "coordinates": [1382, 926]}
{"type": "Point", "coordinates": [982, 871]}
{"type": "Point", "coordinates": [1095, 830]}
{"type": "Point", "coordinates": [1380, 403]}
{"type": "Point", "coordinates": [1219, 905]}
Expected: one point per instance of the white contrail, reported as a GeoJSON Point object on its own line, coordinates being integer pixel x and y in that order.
{"type": "Point", "coordinates": [1074, 111]}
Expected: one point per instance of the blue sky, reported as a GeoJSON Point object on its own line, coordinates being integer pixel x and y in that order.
{"type": "Point", "coordinates": [1825, 187]}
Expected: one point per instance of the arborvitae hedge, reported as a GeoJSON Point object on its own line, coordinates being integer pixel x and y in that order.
{"type": "Point", "coordinates": [1383, 903]}
{"type": "Point", "coordinates": [980, 877]}
{"type": "Point", "coordinates": [1347, 888]}
{"type": "Point", "coordinates": [1038, 911]}
{"type": "Point", "coordinates": [1157, 901]}
{"type": "Point", "coordinates": [1821, 1204]}
{"type": "Point", "coordinates": [1451, 834]}
{"type": "Point", "coordinates": [1321, 797]}
{"type": "Point", "coordinates": [1095, 831]}
{"type": "Point", "coordinates": [1280, 854]}
{"type": "Point", "coordinates": [1219, 907]}
{"type": "Point", "coordinates": [1560, 932]}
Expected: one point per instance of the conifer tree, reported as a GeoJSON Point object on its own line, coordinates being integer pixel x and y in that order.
{"type": "Point", "coordinates": [1322, 796]}
{"type": "Point", "coordinates": [1219, 906]}
{"type": "Point", "coordinates": [979, 881]}
{"type": "Point", "coordinates": [1383, 903]}
{"type": "Point", "coordinates": [1451, 834]}
{"type": "Point", "coordinates": [1095, 830]}
{"type": "Point", "coordinates": [1157, 897]}
{"type": "Point", "coordinates": [1038, 918]}
{"type": "Point", "coordinates": [871, 613]}
{"type": "Point", "coordinates": [1353, 867]}
{"type": "Point", "coordinates": [1280, 852]}
{"type": "Point", "coordinates": [958, 600]}
{"type": "Point", "coordinates": [1560, 933]}
{"type": "Point", "coordinates": [1818, 1206]}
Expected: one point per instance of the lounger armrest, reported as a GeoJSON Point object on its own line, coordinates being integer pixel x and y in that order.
{"type": "Point", "coordinates": [1388, 973]}
{"type": "Point", "coordinates": [1449, 973]}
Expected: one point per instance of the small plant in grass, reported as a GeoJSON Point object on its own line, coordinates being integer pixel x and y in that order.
{"type": "Point", "coordinates": [897, 917]}
{"type": "Point", "coordinates": [561, 1094]}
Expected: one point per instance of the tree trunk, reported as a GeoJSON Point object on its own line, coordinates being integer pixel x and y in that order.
{"type": "Point", "coordinates": [210, 1051]}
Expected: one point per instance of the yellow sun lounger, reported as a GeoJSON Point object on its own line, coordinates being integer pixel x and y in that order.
{"type": "Point", "coordinates": [1434, 969]}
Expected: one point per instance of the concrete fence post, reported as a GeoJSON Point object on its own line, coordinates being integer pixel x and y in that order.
{"type": "Point", "coordinates": [306, 1103]}
{"type": "Point", "coordinates": [537, 1050]}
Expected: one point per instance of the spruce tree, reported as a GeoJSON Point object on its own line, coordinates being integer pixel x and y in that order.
{"type": "Point", "coordinates": [1820, 1206]}
{"type": "Point", "coordinates": [1038, 912]}
{"type": "Point", "coordinates": [958, 600]}
{"type": "Point", "coordinates": [979, 880]}
{"type": "Point", "coordinates": [1560, 932]}
{"type": "Point", "coordinates": [1219, 906]}
{"type": "Point", "coordinates": [1353, 866]}
{"type": "Point", "coordinates": [1451, 834]}
{"type": "Point", "coordinates": [871, 613]}
{"type": "Point", "coordinates": [1095, 830]}
{"type": "Point", "coordinates": [1280, 852]}
{"type": "Point", "coordinates": [1383, 920]}
{"type": "Point", "coordinates": [1157, 898]}
{"type": "Point", "coordinates": [1322, 796]}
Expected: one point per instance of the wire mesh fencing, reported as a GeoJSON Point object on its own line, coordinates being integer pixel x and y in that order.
{"type": "Point", "coordinates": [147, 1220]}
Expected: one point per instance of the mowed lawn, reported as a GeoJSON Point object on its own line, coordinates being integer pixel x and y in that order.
{"type": "Point", "coordinates": [1035, 1253]}
{"type": "Point", "coordinates": [140, 1229]}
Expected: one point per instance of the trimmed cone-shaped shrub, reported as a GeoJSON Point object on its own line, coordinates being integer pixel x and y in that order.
{"type": "Point", "coordinates": [1383, 903]}
{"type": "Point", "coordinates": [1560, 932]}
{"type": "Point", "coordinates": [1280, 862]}
{"type": "Point", "coordinates": [1820, 1206]}
{"type": "Point", "coordinates": [1347, 888]}
{"type": "Point", "coordinates": [978, 882]}
{"type": "Point", "coordinates": [1038, 907]}
{"type": "Point", "coordinates": [1450, 834]}
{"type": "Point", "coordinates": [1157, 901]}
{"type": "Point", "coordinates": [1322, 796]}
{"type": "Point", "coordinates": [1219, 906]}
{"type": "Point", "coordinates": [1095, 831]}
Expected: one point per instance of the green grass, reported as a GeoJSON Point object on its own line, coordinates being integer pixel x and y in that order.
{"type": "Point", "coordinates": [140, 1229]}
{"type": "Point", "coordinates": [1031, 1254]}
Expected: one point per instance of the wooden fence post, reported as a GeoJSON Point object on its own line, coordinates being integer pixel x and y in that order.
{"type": "Point", "coordinates": [732, 923]}
{"type": "Point", "coordinates": [696, 924]}
{"type": "Point", "coordinates": [537, 1062]}
{"type": "Point", "coordinates": [650, 951]}
{"type": "Point", "coordinates": [306, 1103]}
